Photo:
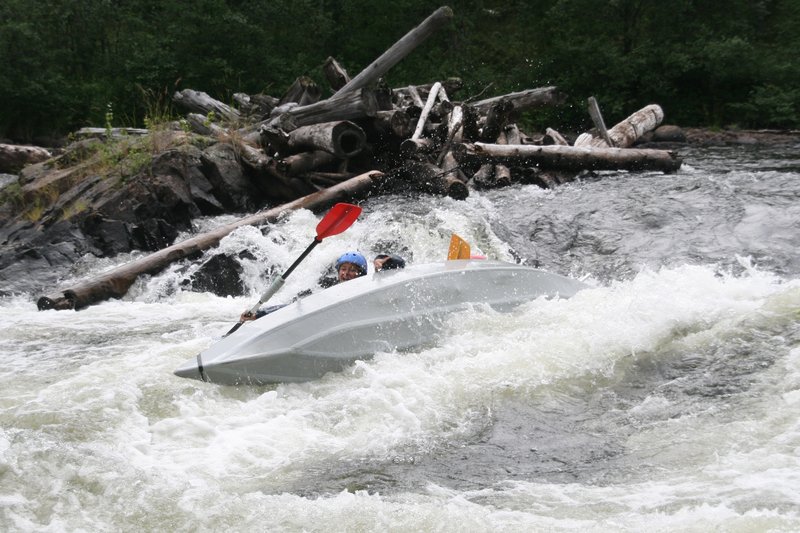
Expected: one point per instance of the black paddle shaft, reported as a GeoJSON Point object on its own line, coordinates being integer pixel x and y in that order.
{"type": "Point", "coordinates": [299, 260]}
{"type": "Point", "coordinates": [285, 275]}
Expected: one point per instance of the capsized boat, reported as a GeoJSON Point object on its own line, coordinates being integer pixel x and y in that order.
{"type": "Point", "coordinates": [383, 311]}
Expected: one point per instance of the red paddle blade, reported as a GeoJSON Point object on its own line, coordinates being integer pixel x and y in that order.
{"type": "Point", "coordinates": [339, 218]}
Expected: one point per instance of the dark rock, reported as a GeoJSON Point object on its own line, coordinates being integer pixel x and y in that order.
{"type": "Point", "coordinates": [153, 234]}
{"type": "Point", "coordinates": [169, 198]}
{"type": "Point", "coordinates": [231, 186]}
{"type": "Point", "coordinates": [185, 165]}
{"type": "Point", "coordinates": [668, 133]}
{"type": "Point", "coordinates": [246, 254]}
{"type": "Point", "coordinates": [220, 275]}
{"type": "Point", "coordinates": [110, 236]}
{"type": "Point", "coordinates": [39, 259]}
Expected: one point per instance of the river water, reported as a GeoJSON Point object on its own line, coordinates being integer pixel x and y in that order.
{"type": "Point", "coordinates": [665, 397]}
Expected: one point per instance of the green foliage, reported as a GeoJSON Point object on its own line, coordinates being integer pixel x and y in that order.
{"type": "Point", "coordinates": [12, 194]}
{"type": "Point", "coordinates": [64, 61]}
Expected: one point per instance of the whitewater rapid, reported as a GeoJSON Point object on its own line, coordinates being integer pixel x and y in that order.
{"type": "Point", "coordinates": [666, 396]}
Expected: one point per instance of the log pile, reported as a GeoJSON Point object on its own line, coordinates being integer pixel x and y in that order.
{"type": "Point", "coordinates": [419, 136]}
{"type": "Point", "coordinates": [366, 136]}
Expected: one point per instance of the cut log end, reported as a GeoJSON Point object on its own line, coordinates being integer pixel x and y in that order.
{"type": "Point", "coordinates": [59, 303]}
{"type": "Point", "coordinates": [351, 143]}
{"type": "Point", "coordinates": [457, 190]}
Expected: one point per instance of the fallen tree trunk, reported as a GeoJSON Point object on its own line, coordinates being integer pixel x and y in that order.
{"type": "Point", "coordinates": [412, 147]}
{"type": "Point", "coordinates": [483, 178]}
{"type": "Point", "coordinates": [569, 157]}
{"type": "Point", "coordinates": [523, 100]}
{"type": "Point", "coordinates": [297, 164]}
{"type": "Point", "coordinates": [200, 102]}
{"type": "Point", "coordinates": [200, 124]}
{"type": "Point", "coordinates": [599, 123]}
{"type": "Point", "coordinates": [396, 122]}
{"type": "Point", "coordinates": [423, 117]}
{"type": "Point", "coordinates": [342, 139]}
{"type": "Point", "coordinates": [398, 51]}
{"type": "Point", "coordinates": [629, 130]}
{"type": "Point", "coordinates": [335, 74]}
{"type": "Point", "coordinates": [115, 284]}
{"type": "Point", "coordinates": [115, 133]}
{"type": "Point", "coordinates": [430, 178]}
{"type": "Point", "coordinates": [325, 180]}
{"type": "Point", "coordinates": [304, 91]}
{"type": "Point", "coordinates": [497, 116]}
{"type": "Point", "coordinates": [554, 137]}
{"type": "Point", "coordinates": [256, 105]}
{"type": "Point", "coordinates": [502, 174]}
{"type": "Point", "coordinates": [349, 106]}
{"type": "Point", "coordinates": [455, 128]}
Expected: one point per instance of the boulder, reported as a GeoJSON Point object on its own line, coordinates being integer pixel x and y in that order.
{"type": "Point", "coordinates": [220, 275]}
{"type": "Point", "coordinates": [14, 157]}
{"type": "Point", "coordinates": [669, 133]}
{"type": "Point", "coordinates": [234, 190]}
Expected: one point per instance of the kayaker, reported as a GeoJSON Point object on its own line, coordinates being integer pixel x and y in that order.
{"type": "Point", "coordinates": [388, 262]}
{"type": "Point", "coordinates": [349, 266]}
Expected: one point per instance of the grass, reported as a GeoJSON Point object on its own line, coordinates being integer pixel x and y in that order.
{"type": "Point", "coordinates": [75, 208]}
{"type": "Point", "coordinates": [35, 211]}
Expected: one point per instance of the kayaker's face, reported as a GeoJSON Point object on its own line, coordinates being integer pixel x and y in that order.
{"type": "Point", "coordinates": [348, 271]}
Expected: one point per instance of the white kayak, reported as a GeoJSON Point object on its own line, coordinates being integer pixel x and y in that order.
{"type": "Point", "coordinates": [383, 311]}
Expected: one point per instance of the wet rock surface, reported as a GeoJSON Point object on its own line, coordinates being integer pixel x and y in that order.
{"type": "Point", "coordinates": [87, 201]}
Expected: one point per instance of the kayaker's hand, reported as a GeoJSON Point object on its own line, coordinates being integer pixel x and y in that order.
{"type": "Point", "coordinates": [246, 316]}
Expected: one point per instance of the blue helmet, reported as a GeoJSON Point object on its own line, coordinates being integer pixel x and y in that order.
{"type": "Point", "coordinates": [355, 258]}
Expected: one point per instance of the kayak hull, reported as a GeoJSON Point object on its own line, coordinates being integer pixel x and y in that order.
{"type": "Point", "coordinates": [384, 311]}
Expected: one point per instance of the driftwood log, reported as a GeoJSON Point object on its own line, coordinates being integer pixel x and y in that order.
{"type": "Point", "coordinates": [115, 133]}
{"type": "Point", "coordinates": [523, 100]}
{"type": "Point", "coordinates": [398, 51]}
{"type": "Point", "coordinates": [502, 174]}
{"type": "Point", "coordinates": [200, 102]}
{"type": "Point", "coordinates": [257, 105]}
{"type": "Point", "coordinates": [428, 177]}
{"type": "Point", "coordinates": [352, 105]}
{"type": "Point", "coordinates": [115, 284]}
{"type": "Point", "coordinates": [395, 122]}
{"type": "Point", "coordinates": [599, 123]}
{"type": "Point", "coordinates": [342, 139]}
{"type": "Point", "coordinates": [297, 164]}
{"type": "Point", "coordinates": [335, 74]}
{"type": "Point", "coordinates": [303, 91]}
{"type": "Point", "coordinates": [569, 157]}
{"type": "Point", "coordinates": [629, 130]}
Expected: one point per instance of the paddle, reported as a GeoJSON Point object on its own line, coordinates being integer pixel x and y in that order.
{"type": "Point", "coordinates": [339, 218]}
{"type": "Point", "coordinates": [459, 249]}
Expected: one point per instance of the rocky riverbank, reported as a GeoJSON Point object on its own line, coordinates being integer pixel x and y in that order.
{"type": "Point", "coordinates": [713, 137]}
{"type": "Point", "coordinates": [104, 198]}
